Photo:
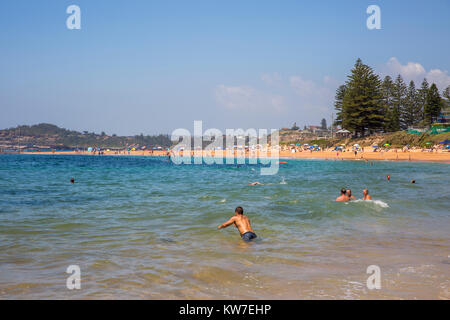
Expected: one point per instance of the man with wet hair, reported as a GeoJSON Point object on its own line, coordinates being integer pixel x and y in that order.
{"type": "Point", "coordinates": [343, 196]}
{"type": "Point", "coordinates": [366, 195]}
{"type": "Point", "coordinates": [349, 195]}
{"type": "Point", "coordinates": [242, 223]}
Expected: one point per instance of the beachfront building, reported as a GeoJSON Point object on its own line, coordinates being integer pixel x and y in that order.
{"type": "Point", "coordinates": [343, 133]}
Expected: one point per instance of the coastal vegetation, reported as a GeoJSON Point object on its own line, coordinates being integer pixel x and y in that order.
{"type": "Point", "coordinates": [395, 139]}
{"type": "Point", "coordinates": [52, 136]}
{"type": "Point", "coordinates": [365, 104]}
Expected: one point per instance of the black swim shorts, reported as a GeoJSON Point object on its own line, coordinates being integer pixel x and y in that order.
{"type": "Point", "coordinates": [248, 236]}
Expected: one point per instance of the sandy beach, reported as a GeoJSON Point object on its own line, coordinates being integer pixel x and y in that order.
{"type": "Point", "coordinates": [391, 155]}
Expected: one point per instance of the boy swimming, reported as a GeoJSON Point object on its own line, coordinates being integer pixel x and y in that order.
{"type": "Point", "coordinates": [242, 223]}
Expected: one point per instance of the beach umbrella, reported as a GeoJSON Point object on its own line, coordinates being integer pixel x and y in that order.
{"type": "Point", "coordinates": [428, 143]}
{"type": "Point", "coordinates": [375, 146]}
{"type": "Point", "coordinates": [445, 142]}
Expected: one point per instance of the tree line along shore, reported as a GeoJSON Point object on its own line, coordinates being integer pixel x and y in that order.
{"type": "Point", "coordinates": [365, 104]}
{"type": "Point", "coordinates": [371, 110]}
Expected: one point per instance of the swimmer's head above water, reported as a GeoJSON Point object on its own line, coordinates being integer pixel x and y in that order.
{"type": "Point", "coordinates": [343, 196]}
{"type": "Point", "coordinates": [366, 195]}
{"type": "Point", "coordinates": [349, 194]}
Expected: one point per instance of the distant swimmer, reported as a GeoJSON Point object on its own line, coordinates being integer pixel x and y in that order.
{"type": "Point", "coordinates": [349, 194]}
{"type": "Point", "coordinates": [343, 196]}
{"type": "Point", "coordinates": [366, 195]}
{"type": "Point", "coordinates": [242, 223]}
{"type": "Point", "coordinates": [255, 184]}
{"type": "Point", "coordinates": [388, 177]}
{"type": "Point", "coordinates": [413, 181]}
{"type": "Point", "coordinates": [72, 180]}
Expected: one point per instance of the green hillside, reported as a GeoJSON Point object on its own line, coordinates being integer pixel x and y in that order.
{"type": "Point", "coordinates": [50, 135]}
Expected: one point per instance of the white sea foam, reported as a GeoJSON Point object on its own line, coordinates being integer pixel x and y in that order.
{"type": "Point", "coordinates": [376, 202]}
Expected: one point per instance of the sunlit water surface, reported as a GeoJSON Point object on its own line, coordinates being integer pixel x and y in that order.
{"type": "Point", "coordinates": [142, 227]}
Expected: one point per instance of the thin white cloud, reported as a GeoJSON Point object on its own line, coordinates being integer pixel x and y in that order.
{"type": "Point", "coordinates": [312, 95]}
{"type": "Point", "coordinates": [294, 99]}
{"type": "Point", "coordinates": [247, 98]}
{"type": "Point", "coordinates": [416, 72]}
{"type": "Point", "coordinates": [441, 78]}
{"type": "Point", "coordinates": [271, 78]}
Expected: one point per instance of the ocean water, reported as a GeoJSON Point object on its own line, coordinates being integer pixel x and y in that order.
{"type": "Point", "coordinates": [144, 228]}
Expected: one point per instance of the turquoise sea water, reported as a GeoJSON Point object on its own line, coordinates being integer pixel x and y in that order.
{"type": "Point", "coordinates": [142, 227]}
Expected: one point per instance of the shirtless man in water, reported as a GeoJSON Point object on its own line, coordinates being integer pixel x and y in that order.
{"type": "Point", "coordinates": [349, 195]}
{"type": "Point", "coordinates": [366, 195]}
{"type": "Point", "coordinates": [343, 196]}
{"type": "Point", "coordinates": [242, 223]}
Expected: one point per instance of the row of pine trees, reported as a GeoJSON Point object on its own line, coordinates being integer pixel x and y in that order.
{"type": "Point", "coordinates": [366, 104]}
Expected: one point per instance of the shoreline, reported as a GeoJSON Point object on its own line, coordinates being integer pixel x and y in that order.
{"type": "Point", "coordinates": [417, 156]}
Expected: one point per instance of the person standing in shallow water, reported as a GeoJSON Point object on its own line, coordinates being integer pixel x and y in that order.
{"type": "Point", "coordinates": [242, 223]}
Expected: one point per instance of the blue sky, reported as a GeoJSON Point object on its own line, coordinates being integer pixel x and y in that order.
{"type": "Point", "coordinates": [154, 66]}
